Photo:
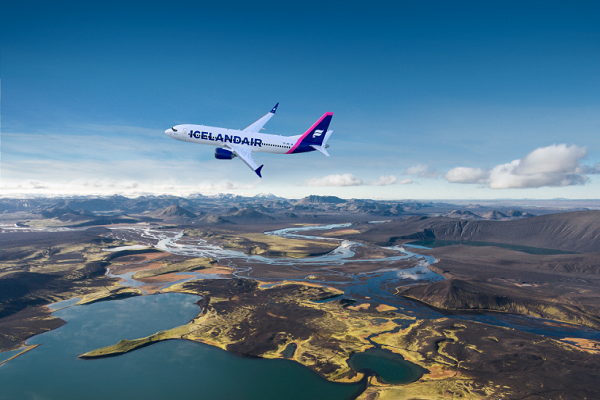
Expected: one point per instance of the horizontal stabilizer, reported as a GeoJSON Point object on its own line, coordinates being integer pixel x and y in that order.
{"type": "Point", "coordinates": [320, 149]}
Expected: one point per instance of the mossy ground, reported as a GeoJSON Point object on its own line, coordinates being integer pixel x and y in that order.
{"type": "Point", "coordinates": [465, 359]}
{"type": "Point", "coordinates": [265, 245]}
{"type": "Point", "coordinates": [181, 266]}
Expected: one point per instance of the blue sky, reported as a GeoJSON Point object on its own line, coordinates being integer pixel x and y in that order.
{"type": "Point", "coordinates": [431, 100]}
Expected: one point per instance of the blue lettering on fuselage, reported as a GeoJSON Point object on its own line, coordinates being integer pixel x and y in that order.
{"type": "Point", "coordinates": [227, 138]}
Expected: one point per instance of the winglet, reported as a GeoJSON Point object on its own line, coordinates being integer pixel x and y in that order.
{"type": "Point", "coordinates": [257, 170]}
{"type": "Point", "coordinates": [274, 108]}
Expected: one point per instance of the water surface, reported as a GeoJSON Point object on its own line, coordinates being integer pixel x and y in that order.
{"type": "Point", "coordinates": [390, 367]}
{"type": "Point", "coordinates": [174, 369]}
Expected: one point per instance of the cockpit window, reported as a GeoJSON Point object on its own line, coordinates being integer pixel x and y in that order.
{"type": "Point", "coordinates": [173, 129]}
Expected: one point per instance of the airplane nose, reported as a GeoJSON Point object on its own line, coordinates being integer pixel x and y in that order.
{"type": "Point", "coordinates": [168, 132]}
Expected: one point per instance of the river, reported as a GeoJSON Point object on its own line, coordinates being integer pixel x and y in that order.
{"type": "Point", "coordinates": [375, 285]}
{"type": "Point", "coordinates": [179, 368]}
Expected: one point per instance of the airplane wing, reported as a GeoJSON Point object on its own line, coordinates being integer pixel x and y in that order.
{"type": "Point", "coordinates": [257, 125]}
{"type": "Point", "coordinates": [245, 155]}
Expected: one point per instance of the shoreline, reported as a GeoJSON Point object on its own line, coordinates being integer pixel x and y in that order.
{"type": "Point", "coordinates": [29, 348]}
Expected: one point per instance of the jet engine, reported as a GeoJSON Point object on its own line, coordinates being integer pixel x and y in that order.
{"type": "Point", "coordinates": [223, 154]}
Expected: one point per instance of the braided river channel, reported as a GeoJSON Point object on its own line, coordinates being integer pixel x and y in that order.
{"type": "Point", "coordinates": [184, 369]}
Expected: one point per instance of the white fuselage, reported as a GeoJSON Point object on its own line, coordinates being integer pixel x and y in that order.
{"type": "Point", "coordinates": [232, 143]}
{"type": "Point", "coordinates": [220, 137]}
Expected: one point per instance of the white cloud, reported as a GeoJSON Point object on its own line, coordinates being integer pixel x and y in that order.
{"type": "Point", "coordinates": [25, 185]}
{"type": "Point", "coordinates": [405, 181]}
{"type": "Point", "coordinates": [225, 185]}
{"type": "Point", "coordinates": [422, 171]}
{"type": "Point", "coordinates": [334, 180]}
{"type": "Point", "coordinates": [555, 165]}
{"type": "Point", "coordinates": [95, 187]}
{"type": "Point", "coordinates": [351, 180]}
{"type": "Point", "coordinates": [467, 175]}
{"type": "Point", "coordinates": [104, 184]}
{"type": "Point", "coordinates": [384, 180]}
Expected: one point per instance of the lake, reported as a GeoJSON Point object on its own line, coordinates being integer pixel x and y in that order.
{"type": "Point", "coordinates": [391, 367]}
{"type": "Point", "coordinates": [166, 370]}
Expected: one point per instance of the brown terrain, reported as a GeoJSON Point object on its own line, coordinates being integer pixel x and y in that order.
{"type": "Point", "coordinates": [41, 268]}
{"type": "Point", "coordinates": [562, 287]}
{"type": "Point", "coordinates": [557, 286]}
{"type": "Point", "coordinates": [465, 359]}
{"type": "Point", "coordinates": [490, 362]}
{"type": "Point", "coordinates": [575, 231]}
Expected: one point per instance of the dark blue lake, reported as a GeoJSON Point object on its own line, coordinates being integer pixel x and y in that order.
{"type": "Point", "coordinates": [391, 367]}
{"type": "Point", "coordinates": [167, 370]}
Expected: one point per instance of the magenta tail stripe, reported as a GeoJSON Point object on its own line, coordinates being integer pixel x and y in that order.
{"type": "Point", "coordinates": [307, 132]}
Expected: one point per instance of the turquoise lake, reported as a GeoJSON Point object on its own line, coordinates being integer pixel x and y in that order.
{"type": "Point", "coordinates": [167, 370]}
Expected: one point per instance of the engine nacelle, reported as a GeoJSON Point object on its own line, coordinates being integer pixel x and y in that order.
{"type": "Point", "coordinates": [223, 154]}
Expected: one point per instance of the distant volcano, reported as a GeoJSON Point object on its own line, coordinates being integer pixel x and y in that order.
{"type": "Point", "coordinates": [175, 211]}
{"type": "Point", "coordinates": [461, 214]}
{"type": "Point", "coordinates": [313, 199]}
{"type": "Point", "coordinates": [247, 214]}
{"type": "Point", "coordinates": [494, 214]}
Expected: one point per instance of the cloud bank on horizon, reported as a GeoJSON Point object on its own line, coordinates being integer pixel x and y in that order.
{"type": "Point", "coordinates": [337, 180]}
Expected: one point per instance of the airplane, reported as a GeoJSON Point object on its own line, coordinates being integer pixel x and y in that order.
{"type": "Point", "coordinates": [243, 143]}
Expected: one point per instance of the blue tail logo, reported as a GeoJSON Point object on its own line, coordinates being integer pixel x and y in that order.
{"type": "Point", "coordinates": [313, 136]}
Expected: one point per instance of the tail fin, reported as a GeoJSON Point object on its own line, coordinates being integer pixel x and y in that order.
{"type": "Point", "coordinates": [314, 136]}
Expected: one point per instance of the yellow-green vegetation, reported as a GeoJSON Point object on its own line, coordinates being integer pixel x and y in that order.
{"type": "Point", "coordinates": [465, 359]}
{"type": "Point", "coordinates": [54, 268]}
{"type": "Point", "coordinates": [341, 232]}
{"type": "Point", "coordinates": [56, 258]}
{"type": "Point", "coordinates": [181, 266]}
{"type": "Point", "coordinates": [125, 345]}
{"type": "Point", "coordinates": [265, 245]}
{"type": "Point", "coordinates": [326, 334]}
{"type": "Point", "coordinates": [444, 380]}
{"type": "Point", "coordinates": [424, 390]}
{"type": "Point", "coordinates": [109, 293]}
{"type": "Point", "coordinates": [53, 222]}
{"type": "Point", "coordinates": [23, 351]}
